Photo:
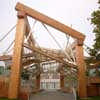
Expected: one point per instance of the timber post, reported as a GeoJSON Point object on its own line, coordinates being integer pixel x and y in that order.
{"type": "Point", "coordinates": [82, 84]}
{"type": "Point", "coordinates": [61, 81]}
{"type": "Point", "coordinates": [38, 82]}
{"type": "Point", "coordinates": [14, 86]}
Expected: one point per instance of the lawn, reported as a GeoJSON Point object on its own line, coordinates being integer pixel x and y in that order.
{"type": "Point", "coordinates": [92, 98]}
{"type": "Point", "coordinates": [6, 99]}
{"type": "Point", "coordinates": [3, 99]}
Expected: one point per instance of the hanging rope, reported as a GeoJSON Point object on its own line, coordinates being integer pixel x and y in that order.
{"type": "Point", "coordinates": [30, 33]}
{"type": "Point", "coordinates": [51, 35]}
{"type": "Point", "coordinates": [71, 50]}
{"type": "Point", "coordinates": [7, 33]}
{"type": "Point", "coordinates": [6, 51]}
{"type": "Point", "coordinates": [72, 54]}
{"type": "Point", "coordinates": [56, 42]}
{"type": "Point", "coordinates": [68, 37]}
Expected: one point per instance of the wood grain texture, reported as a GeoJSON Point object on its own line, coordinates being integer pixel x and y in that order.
{"type": "Point", "coordinates": [49, 21]}
{"type": "Point", "coordinates": [17, 59]}
{"type": "Point", "coordinates": [82, 84]}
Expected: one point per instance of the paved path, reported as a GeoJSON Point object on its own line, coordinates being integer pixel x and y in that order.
{"type": "Point", "coordinates": [52, 95]}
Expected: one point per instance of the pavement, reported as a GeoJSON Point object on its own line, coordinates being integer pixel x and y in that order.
{"type": "Point", "coordinates": [52, 95]}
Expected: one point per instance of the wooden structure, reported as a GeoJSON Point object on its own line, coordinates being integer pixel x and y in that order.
{"type": "Point", "coordinates": [23, 30]}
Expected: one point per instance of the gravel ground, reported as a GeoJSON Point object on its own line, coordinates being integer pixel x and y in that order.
{"type": "Point", "coordinates": [51, 95]}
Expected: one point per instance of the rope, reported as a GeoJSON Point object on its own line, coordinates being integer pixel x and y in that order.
{"type": "Point", "coordinates": [67, 40]}
{"type": "Point", "coordinates": [74, 93]}
{"type": "Point", "coordinates": [31, 31]}
{"type": "Point", "coordinates": [51, 35]}
{"type": "Point", "coordinates": [7, 33]}
{"type": "Point", "coordinates": [72, 54]}
{"type": "Point", "coordinates": [8, 47]}
{"type": "Point", "coordinates": [56, 41]}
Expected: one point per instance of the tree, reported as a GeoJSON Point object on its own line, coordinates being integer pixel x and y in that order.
{"type": "Point", "coordinates": [95, 20]}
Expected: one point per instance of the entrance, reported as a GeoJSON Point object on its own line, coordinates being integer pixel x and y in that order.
{"type": "Point", "coordinates": [50, 81]}
{"type": "Point", "coordinates": [50, 78]}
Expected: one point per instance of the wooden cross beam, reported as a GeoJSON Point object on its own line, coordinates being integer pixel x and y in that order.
{"type": "Point", "coordinates": [30, 61]}
{"type": "Point", "coordinates": [49, 21]}
{"type": "Point", "coordinates": [9, 57]}
{"type": "Point", "coordinates": [49, 56]}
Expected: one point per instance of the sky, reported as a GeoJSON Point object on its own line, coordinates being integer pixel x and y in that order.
{"type": "Point", "coordinates": [70, 12]}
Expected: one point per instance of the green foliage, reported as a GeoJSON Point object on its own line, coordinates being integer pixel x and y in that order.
{"type": "Point", "coordinates": [1, 70]}
{"type": "Point", "coordinates": [7, 99]}
{"type": "Point", "coordinates": [95, 20]}
{"type": "Point", "coordinates": [25, 75]}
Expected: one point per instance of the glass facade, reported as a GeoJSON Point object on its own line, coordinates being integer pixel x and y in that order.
{"type": "Point", "coordinates": [50, 79]}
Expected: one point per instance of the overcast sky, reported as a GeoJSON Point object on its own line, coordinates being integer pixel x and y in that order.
{"type": "Point", "coordinates": [69, 12]}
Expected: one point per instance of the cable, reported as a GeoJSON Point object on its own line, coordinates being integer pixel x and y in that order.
{"type": "Point", "coordinates": [8, 47]}
{"type": "Point", "coordinates": [67, 40]}
{"type": "Point", "coordinates": [72, 54]}
{"type": "Point", "coordinates": [51, 35]}
{"type": "Point", "coordinates": [31, 31]}
{"type": "Point", "coordinates": [7, 33]}
{"type": "Point", "coordinates": [56, 41]}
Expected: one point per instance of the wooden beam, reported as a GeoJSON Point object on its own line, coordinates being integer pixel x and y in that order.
{"type": "Point", "coordinates": [82, 84]}
{"type": "Point", "coordinates": [95, 65]}
{"type": "Point", "coordinates": [61, 81]}
{"type": "Point", "coordinates": [30, 61]}
{"type": "Point", "coordinates": [14, 85]}
{"type": "Point", "coordinates": [94, 80]}
{"type": "Point", "coordinates": [5, 57]}
{"type": "Point", "coordinates": [49, 21]}
{"type": "Point", "coordinates": [38, 82]}
{"type": "Point", "coordinates": [49, 56]}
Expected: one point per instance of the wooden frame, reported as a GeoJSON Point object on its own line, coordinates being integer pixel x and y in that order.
{"type": "Point", "coordinates": [82, 84]}
{"type": "Point", "coordinates": [14, 85]}
{"type": "Point", "coordinates": [23, 28]}
{"type": "Point", "coordinates": [49, 21]}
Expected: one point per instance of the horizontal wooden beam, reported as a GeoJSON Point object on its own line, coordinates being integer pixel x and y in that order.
{"type": "Point", "coordinates": [5, 57]}
{"type": "Point", "coordinates": [95, 65]}
{"type": "Point", "coordinates": [49, 21]}
{"type": "Point", "coordinates": [30, 61]}
{"type": "Point", "coordinates": [49, 56]}
{"type": "Point", "coordinates": [9, 57]}
{"type": "Point", "coordinates": [94, 80]}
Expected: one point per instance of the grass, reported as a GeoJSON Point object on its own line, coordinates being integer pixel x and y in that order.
{"type": "Point", "coordinates": [6, 99]}
{"type": "Point", "coordinates": [3, 99]}
{"type": "Point", "coordinates": [91, 98]}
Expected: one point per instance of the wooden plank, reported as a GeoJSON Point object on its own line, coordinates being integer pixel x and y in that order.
{"type": "Point", "coordinates": [38, 82]}
{"type": "Point", "coordinates": [94, 80]}
{"type": "Point", "coordinates": [5, 57]}
{"type": "Point", "coordinates": [82, 84]}
{"type": "Point", "coordinates": [30, 61]}
{"type": "Point", "coordinates": [17, 61]}
{"type": "Point", "coordinates": [49, 56]}
{"type": "Point", "coordinates": [49, 21]}
{"type": "Point", "coordinates": [95, 65]}
{"type": "Point", "coordinates": [9, 57]}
